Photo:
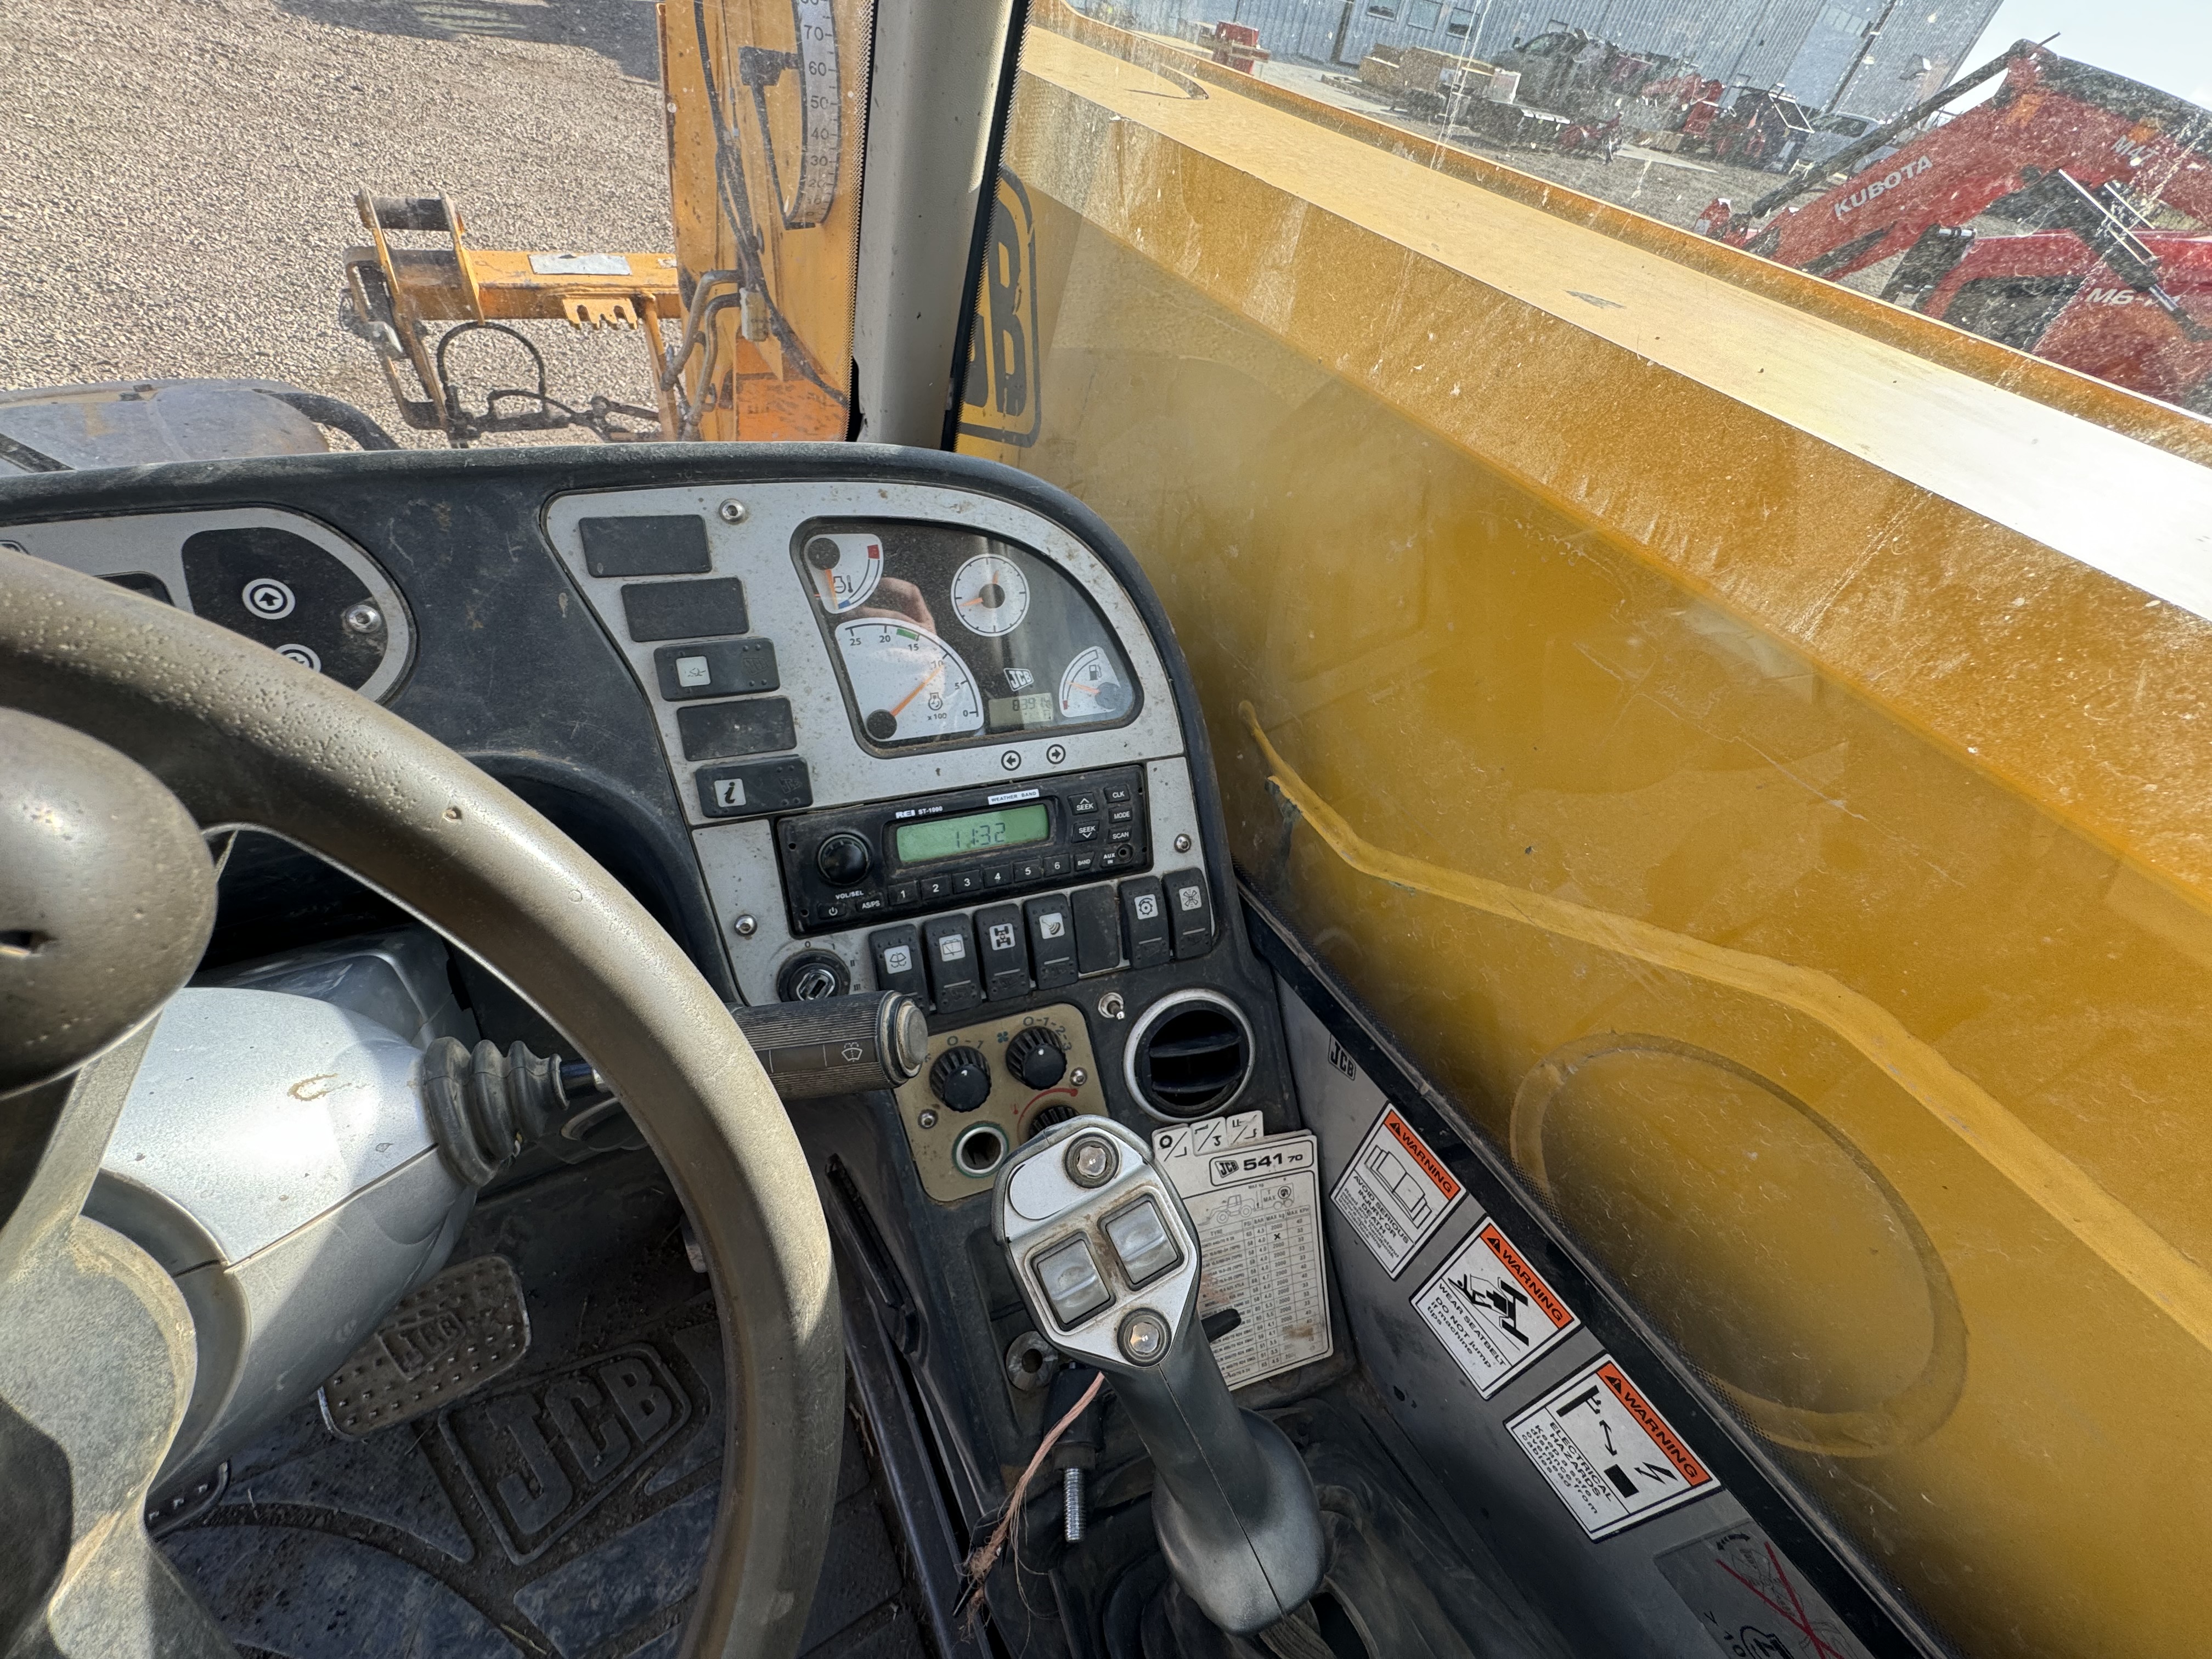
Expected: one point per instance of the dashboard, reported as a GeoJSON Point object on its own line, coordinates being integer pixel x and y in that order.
{"type": "Point", "coordinates": [844, 719]}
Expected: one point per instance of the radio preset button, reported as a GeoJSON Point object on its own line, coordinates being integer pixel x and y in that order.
{"type": "Point", "coordinates": [967, 881]}
{"type": "Point", "coordinates": [936, 887]}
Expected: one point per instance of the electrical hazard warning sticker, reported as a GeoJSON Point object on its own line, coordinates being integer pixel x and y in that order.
{"type": "Point", "coordinates": [1492, 1310]}
{"type": "Point", "coordinates": [1607, 1452]}
{"type": "Point", "coordinates": [1397, 1192]}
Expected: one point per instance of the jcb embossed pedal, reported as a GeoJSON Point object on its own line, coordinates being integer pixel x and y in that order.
{"type": "Point", "coordinates": [462, 1329]}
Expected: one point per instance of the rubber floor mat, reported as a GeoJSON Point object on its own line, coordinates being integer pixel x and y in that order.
{"type": "Point", "coordinates": [566, 1507]}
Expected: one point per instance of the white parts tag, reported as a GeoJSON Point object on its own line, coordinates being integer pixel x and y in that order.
{"type": "Point", "coordinates": [1492, 1311]}
{"type": "Point", "coordinates": [1397, 1192]}
{"type": "Point", "coordinates": [1256, 1205]}
{"type": "Point", "coordinates": [1607, 1452]}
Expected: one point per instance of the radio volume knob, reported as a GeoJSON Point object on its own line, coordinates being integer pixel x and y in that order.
{"type": "Point", "coordinates": [843, 859]}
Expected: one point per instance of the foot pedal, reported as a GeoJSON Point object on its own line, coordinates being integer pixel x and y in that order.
{"type": "Point", "coordinates": [457, 1333]}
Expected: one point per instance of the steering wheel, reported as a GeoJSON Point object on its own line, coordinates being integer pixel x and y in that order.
{"type": "Point", "coordinates": [242, 737]}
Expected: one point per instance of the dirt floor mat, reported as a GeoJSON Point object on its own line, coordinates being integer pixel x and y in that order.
{"type": "Point", "coordinates": [565, 1508]}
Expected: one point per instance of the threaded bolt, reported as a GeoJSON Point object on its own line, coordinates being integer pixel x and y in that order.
{"type": "Point", "coordinates": [1071, 1500]}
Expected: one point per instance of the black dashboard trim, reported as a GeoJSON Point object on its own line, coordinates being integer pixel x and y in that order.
{"type": "Point", "coordinates": [313, 485]}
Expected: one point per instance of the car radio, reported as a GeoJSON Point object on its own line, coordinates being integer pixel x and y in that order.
{"type": "Point", "coordinates": [901, 858]}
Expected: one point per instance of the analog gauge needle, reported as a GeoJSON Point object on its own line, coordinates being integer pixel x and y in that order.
{"type": "Point", "coordinates": [899, 708]}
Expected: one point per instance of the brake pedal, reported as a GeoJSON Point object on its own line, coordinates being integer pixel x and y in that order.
{"type": "Point", "coordinates": [444, 1340]}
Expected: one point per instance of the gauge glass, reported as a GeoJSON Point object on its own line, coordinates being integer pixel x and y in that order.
{"type": "Point", "coordinates": [990, 595]}
{"type": "Point", "coordinates": [908, 685]}
{"type": "Point", "coordinates": [844, 567]}
{"type": "Point", "coordinates": [1090, 689]}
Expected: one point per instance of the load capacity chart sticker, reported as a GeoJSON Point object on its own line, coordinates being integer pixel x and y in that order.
{"type": "Point", "coordinates": [1607, 1452]}
{"type": "Point", "coordinates": [1256, 1205]}
{"type": "Point", "coordinates": [1492, 1311]}
{"type": "Point", "coordinates": [1397, 1192]}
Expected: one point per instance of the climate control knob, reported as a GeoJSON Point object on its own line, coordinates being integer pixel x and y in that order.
{"type": "Point", "coordinates": [961, 1078]}
{"type": "Point", "coordinates": [843, 859]}
{"type": "Point", "coordinates": [1036, 1058]}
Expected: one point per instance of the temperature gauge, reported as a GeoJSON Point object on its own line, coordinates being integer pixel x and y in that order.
{"type": "Point", "coordinates": [908, 685]}
{"type": "Point", "coordinates": [990, 595]}
{"type": "Point", "coordinates": [844, 567]}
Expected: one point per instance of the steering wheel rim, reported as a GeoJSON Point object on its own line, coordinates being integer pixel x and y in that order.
{"type": "Point", "coordinates": [244, 738]}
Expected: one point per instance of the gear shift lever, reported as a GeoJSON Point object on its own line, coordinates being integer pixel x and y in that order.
{"type": "Point", "coordinates": [1108, 1261]}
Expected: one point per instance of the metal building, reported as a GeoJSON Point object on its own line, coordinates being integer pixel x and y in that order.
{"type": "Point", "coordinates": [1805, 46]}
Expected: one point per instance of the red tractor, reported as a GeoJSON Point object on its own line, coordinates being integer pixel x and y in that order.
{"type": "Point", "coordinates": [2088, 160]}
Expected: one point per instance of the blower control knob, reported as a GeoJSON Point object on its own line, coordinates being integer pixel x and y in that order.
{"type": "Point", "coordinates": [1036, 1058]}
{"type": "Point", "coordinates": [961, 1078]}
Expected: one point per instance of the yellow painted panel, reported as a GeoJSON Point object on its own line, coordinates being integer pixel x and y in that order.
{"type": "Point", "coordinates": [1720, 742]}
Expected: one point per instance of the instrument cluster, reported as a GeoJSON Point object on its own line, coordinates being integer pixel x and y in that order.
{"type": "Point", "coordinates": [944, 636]}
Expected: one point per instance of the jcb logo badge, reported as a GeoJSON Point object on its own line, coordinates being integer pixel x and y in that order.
{"type": "Point", "coordinates": [543, 1457]}
{"type": "Point", "coordinates": [998, 400]}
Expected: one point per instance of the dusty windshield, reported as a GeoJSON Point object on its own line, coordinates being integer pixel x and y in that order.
{"type": "Point", "coordinates": [484, 222]}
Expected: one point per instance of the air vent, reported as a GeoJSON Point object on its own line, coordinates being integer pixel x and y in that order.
{"type": "Point", "coordinates": [1189, 1055]}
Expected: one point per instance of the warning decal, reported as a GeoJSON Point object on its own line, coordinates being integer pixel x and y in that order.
{"type": "Point", "coordinates": [1397, 1192]}
{"type": "Point", "coordinates": [1753, 1600]}
{"type": "Point", "coordinates": [1607, 1452]}
{"type": "Point", "coordinates": [1492, 1310]}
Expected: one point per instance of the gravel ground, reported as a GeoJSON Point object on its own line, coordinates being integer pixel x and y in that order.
{"type": "Point", "coordinates": [179, 191]}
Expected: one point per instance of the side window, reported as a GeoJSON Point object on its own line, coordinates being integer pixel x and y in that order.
{"type": "Point", "coordinates": [1686, 526]}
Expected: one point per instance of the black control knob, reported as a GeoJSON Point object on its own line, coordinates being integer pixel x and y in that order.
{"type": "Point", "coordinates": [961, 1078]}
{"type": "Point", "coordinates": [843, 859]}
{"type": "Point", "coordinates": [1036, 1058]}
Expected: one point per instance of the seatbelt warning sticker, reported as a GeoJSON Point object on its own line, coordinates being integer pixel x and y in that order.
{"type": "Point", "coordinates": [1492, 1311]}
{"type": "Point", "coordinates": [1256, 1205]}
{"type": "Point", "coordinates": [1607, 1452]}
{"type": "Point", "coordinates": [1396, 1192]}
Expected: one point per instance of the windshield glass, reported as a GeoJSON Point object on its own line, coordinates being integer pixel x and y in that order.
{"type": "Point", "coordinates": [1683, 518]}
{"type": "Point", "coordinates": [457, 219]}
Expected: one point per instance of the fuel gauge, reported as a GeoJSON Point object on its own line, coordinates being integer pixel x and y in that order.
{"type": "Point", "coordinates": [1091, 688]}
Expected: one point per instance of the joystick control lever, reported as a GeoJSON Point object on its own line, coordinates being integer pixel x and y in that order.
{"type": "Point", "coordinates": [1108, 1261]}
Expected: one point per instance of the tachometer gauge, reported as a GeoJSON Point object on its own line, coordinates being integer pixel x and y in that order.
{"type": "Point", "coordinates": [990, 595]}
{"type": "Point", "coordinates": [1090, 689]}
{"type": "Point", "coordinates": [845, 567]}
{"type": "Point", "coordinates": [908, 685]}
